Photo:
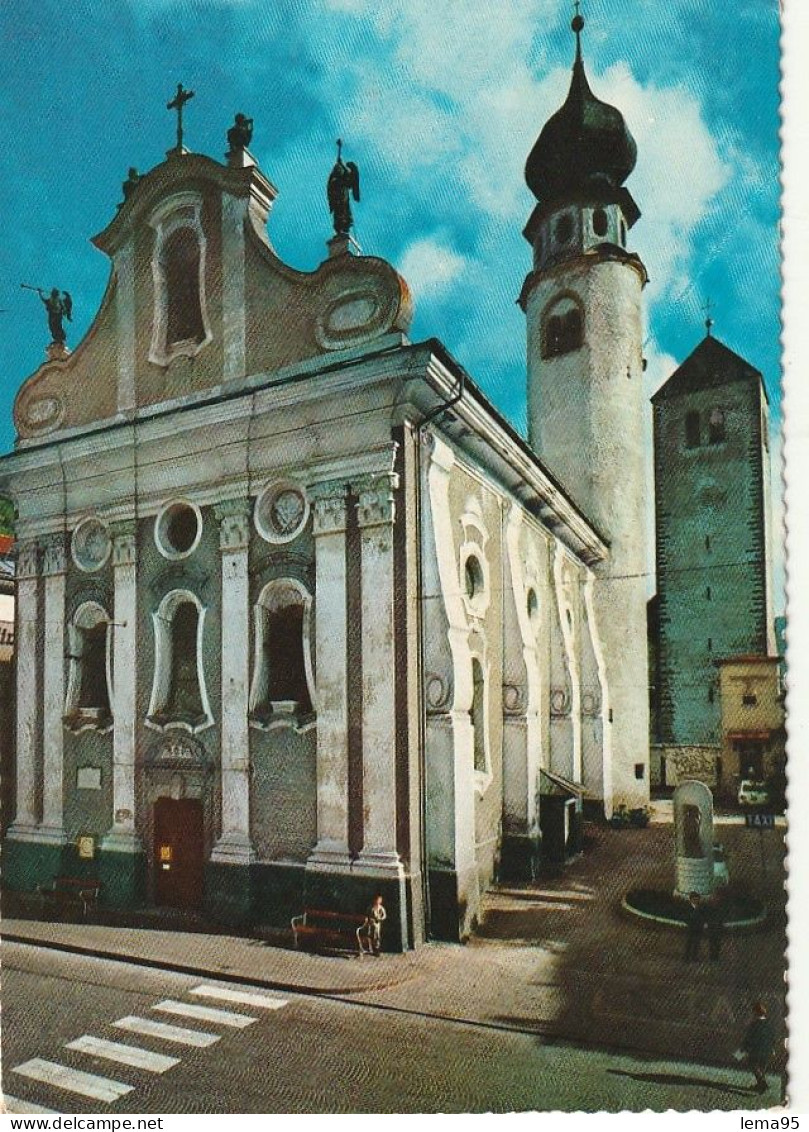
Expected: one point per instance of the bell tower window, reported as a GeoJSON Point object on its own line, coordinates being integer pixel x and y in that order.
{"type": "Point", "coordinates": [716, 426]}
{"type": "Point", "coordinates": [562, 328]}
{"type": "Point", "coordinates": [180, 325]}
{"type": "Point", "coordinates": [692, 430]}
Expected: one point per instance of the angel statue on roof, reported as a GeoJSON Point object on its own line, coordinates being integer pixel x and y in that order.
{"type": "Point", "coordinates": [59, 306]}
{"type": "Point", "coordinates": [344, 182]}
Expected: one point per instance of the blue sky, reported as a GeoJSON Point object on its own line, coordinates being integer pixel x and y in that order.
{"type": "Point", "coordinates": [439, 102]}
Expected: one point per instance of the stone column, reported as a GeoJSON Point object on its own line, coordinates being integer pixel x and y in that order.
{"type": "Point", "coordinates": [121, 837]}
{"type": "Point", "coordinates": [28, 692]}
{"type": "Point", "coordinates": [234, 846]}
{"type": "Point", "coordinates": [331, 656]}
{"type": "Point", "coordinates": [375, 514]}
{"type": "Point", "coordinates": [53, 692]}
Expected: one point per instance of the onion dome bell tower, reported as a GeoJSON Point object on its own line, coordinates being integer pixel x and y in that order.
{"type": "Point", "coordinates": [582, 302]}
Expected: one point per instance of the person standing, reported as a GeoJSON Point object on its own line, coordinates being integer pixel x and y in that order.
{"type": "Point", "coordinates": [715, 923]}
{"type": "Point", "coordinates": [758, 1043]}
{"type": "Point", "coordinates": [694, 926]}
{"type": "Point", "coordinates": [376, 917]}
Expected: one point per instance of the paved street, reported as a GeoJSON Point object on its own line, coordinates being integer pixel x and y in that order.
{"type": "Point", "coordinates": [83, 1034]}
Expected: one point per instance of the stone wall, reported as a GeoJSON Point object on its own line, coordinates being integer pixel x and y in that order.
{"type": "Point", "coordinates": [681, 763]}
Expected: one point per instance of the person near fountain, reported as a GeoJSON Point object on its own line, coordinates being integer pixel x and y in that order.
{"type": "Point", "coordinates": [757, 1044]}
{"type": "Point", "coordinates": [695, 926]}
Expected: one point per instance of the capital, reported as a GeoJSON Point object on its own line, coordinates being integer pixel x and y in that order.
{"type": "Point", "coordinates": [376, 504]}
{"type": "Point", "coordinates": [329, 509]}
{"type": "Point", "coordinates": [54, 559]}
{"type": "Point", "coordinates": [124, 550]}
{"type": "Point", "coordinates": [27, 559]}
{"type": "Point", "coordinates": [234, 524]}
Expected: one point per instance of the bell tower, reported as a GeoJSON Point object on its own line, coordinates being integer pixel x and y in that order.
{"type": "Point", "coordinates": [582, 302]}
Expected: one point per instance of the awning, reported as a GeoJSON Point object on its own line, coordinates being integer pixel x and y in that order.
{"type": "Point", "coordinates": [550, 784]}
{"type": "Point", "coordinates": [749, 736]}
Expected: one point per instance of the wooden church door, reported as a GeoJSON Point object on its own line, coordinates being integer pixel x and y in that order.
{"type": "Point", "coordinates": [178, 852]}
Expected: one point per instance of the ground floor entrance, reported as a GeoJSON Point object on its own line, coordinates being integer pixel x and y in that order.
{"type": "Point", "coordinates": [179, 858]}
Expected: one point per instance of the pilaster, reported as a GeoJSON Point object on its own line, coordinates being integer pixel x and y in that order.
{"type": "Point", "coordinates": [234, 846]}
{"type": "Point", "coordinates": [28, 691]}
{"type": "Point", "coordinates": [329, 512]}
{"type": "Point", "coordinates": [121, 837]}
{"type": "Point", "coordinates": [53, 691]}
{"type": "Point", "coordinates": [376, 512]}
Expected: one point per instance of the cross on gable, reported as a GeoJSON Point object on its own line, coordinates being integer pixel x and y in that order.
{"type": "Point", "coordinates": [707, 308]}
{"type": "Point", "coordinates": [177, 103]}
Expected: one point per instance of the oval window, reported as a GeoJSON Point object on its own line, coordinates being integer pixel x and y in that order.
{"type": "Point", "coordinates": [600, 222]}
{"type": "Point", "coordinates": [178, 530]}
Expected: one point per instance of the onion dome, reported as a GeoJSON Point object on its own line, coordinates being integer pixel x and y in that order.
{"type": "Point", "coordinates": [585, 145]}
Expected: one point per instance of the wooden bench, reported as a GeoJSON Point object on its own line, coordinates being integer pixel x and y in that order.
{"type": "Point", "coordinates": [338, 930]}
{"type": "Point", "coordinates": [68, 893]}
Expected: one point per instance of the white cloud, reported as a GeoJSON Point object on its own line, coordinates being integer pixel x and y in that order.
{"type": "Point", "coordinates": [431, 267]}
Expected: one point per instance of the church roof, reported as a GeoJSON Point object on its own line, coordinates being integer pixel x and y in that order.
{"type": "Point", "coordinates": [584, 146]}
{"type": "Point", "coordinates": [711, 365]}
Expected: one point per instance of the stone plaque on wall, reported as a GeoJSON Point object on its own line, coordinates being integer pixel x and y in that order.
{"type": "Point", "coordinates": [88, 778]}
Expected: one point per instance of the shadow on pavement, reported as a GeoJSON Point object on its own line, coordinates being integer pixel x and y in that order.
{"type": "Point", "coordinates": [682, 1079]}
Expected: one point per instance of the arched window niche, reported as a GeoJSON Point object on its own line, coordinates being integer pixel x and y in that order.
{"type": "Point", "coordinates": [562, 327]}
{"type": "Point", "coordinates": [479, 718]}
{"type": "Point", "coordinates": [283, 688]}
{"type": "Point", "coordinates": [179, 695]}
{"type": "Point", "coordinates": [180, 325]}
{"type": "Point", "coordinates": [89, 698]}
{"type": "Point", "coordinates": [716, 426]}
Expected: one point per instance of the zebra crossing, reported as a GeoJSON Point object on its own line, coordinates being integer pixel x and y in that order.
{"type": "Point", "coordinates": [107, 1089]}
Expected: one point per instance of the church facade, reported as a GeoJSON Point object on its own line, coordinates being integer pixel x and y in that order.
{"type": "Point", "coordinates": [300, 617]}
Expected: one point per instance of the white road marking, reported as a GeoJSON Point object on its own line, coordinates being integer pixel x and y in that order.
{"type": "Point", "coordinates": [14, 1105]}
{"type": "Point", "coordinates": [244, 998]}
{"type": "Point", "coordinates": [205, 1013]}
{"type": "Point", "coordinates": [63, 1077]}
{"type": "Point", "coordinates": [168, 1033]}
{"type": "Point", "coordinates": [127, 1055]}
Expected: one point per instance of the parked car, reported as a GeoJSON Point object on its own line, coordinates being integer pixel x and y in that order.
{"type": "Point", "coordinates": [753, 793]}
{"type": "Point", "coordinates": [721, 876]}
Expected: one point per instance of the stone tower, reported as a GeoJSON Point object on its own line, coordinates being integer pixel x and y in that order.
{"type": "Point", "coordinates": [585, 396]}
{"type": "Point", "coordinates": [713, 531]}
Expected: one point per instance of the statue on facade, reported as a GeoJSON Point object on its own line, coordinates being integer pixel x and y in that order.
{"type": "Point", "coordinates": [129, 184]}
{"type": "Point", "coordinates": [240, 133]}
{"type": "Point", "coordinates": [344, 182]}
{"type": "Point", "coordinates": [59, 307]}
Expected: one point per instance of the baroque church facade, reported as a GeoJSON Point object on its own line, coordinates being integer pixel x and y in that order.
{"type": "Point", "coordinates": [300, 617]}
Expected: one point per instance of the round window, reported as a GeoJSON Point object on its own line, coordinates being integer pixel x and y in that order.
{"type": "Point", "coordinates": [473, 573]}
{"type": "Point", "coordinates": [600, 222]}
{"type": "Point", "coordinates": [564, 229]}
{"type": "Point", "coordinates": [178, 530]}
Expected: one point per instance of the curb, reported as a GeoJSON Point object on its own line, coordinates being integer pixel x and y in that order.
{"type": "Point", "coordinates": [663, 921]}
{"type": "Point", "coordinates": [198, 971]}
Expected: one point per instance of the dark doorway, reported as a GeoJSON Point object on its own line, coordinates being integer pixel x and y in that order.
{"type": "Point", "coordinates": [178, 852]}
{"type": "Point", "coordinates": [751, 760]}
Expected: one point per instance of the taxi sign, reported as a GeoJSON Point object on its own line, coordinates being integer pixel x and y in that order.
{"type": "Point", "coordinates": [759, 821]}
